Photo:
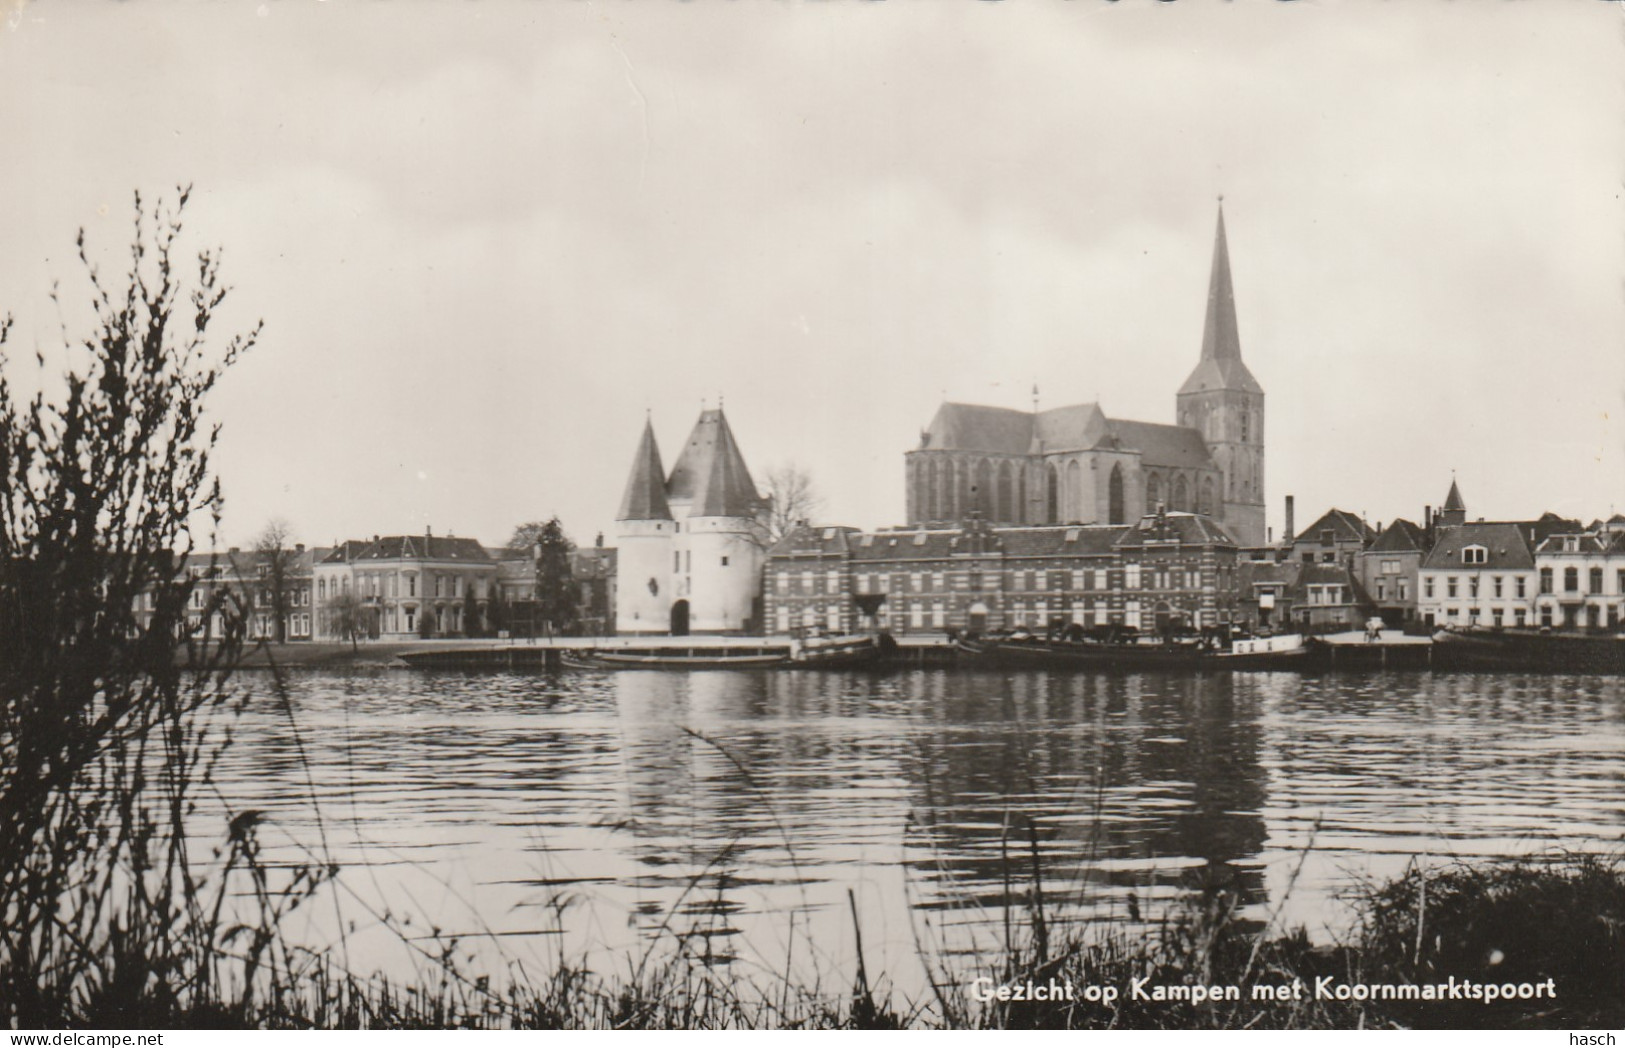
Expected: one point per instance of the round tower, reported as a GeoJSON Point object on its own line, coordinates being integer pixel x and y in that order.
{"type": "Point", "coordinates": [645, 533]}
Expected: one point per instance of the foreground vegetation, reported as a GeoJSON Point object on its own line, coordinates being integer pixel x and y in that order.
{"type": "Point", "coordinates": [115, 912]}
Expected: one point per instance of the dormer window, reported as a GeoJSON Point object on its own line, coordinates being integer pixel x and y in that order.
{"type": "Point", "coordinates": [1474, 555]}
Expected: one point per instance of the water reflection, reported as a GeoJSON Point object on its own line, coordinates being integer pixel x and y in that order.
{"type": "Point", "coordinates": [601, 812]}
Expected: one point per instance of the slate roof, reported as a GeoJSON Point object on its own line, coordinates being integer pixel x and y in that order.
{"type": "Point", "coordinates": [1588, 543]}
{"type": "Point", "coordinates": [1078, 427]}
{"type": "Point", "coordinates": [1506, 546]}
{"type": "Point", "coordinates": [1453, 501]}
{"type": "Point", "coordinates": [1221, 366]}
{"type": "Point", "coordinates": [1078, 540]}
{"type": "Point", "coordinates": [1188, 528]}
{"type": "Point", "coordinates": [711, 472]}
{"type": "Point", "coordinates": [805, 540]}
{"type": "Point", "coordinates": [344, 552]}
{"type": "Point", "coordinates": [1326, 574]}
{"type": "Point", "coordinates": [1344, 526]}
{"type": "Point", "coordinates": [980, 427]}
{"type": "Point", "coordinates": [1161, 445]}
{"type": "Point", "coordinates": [645, 497]}
{"type": "Point", "coordinates": [423, 547]}
{"type": "Point", "coordinates": [1401, 536]}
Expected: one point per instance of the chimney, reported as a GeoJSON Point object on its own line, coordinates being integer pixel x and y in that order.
{"type": "Point", "coordinates": [299, 547]}
{"type": "Point", "coordinates": [1288, 531]}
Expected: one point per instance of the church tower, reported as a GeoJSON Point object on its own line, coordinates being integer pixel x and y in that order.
{"type": "Point", "coordinates": [1225, 403]}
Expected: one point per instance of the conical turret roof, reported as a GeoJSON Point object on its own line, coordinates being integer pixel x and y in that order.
{"type": "Point", "coordinates": [1453, 501]}
{"type": "Point", "coordinates": [645, 497]}
{"type": "Point", "coordinates": [711, 472]}
{"type": "Point", "coordinates": [1221, 366]}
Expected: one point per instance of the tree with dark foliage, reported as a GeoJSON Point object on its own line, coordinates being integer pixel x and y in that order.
{"type": "Point", "coordinates": [556, 604]}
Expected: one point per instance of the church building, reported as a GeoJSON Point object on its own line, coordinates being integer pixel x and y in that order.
{"type": "Point", "coordinates": [690, 545]}
{"type": "Point", "coordinates": [1077, 465]}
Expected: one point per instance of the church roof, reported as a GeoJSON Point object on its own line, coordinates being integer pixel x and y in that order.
{"type": "Point", "coordinates": [711, 472]}
{"type": "Point", "coordinates": [1221, 366]}
{"type": "Point", "coordinates": [645, 497]}
{"type": "Point", "coordinates": [1160, 445]}
{"type": "Point", "coordinates": [1077, 427]}
{"type": "Point", "coordinates": [979, 427]}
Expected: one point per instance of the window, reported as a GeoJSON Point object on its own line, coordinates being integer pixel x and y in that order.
{"type": "Point", "coordinates": [676, 560]}
{"type": "Point", "coordinates": [1080, 579]}
{"type": "Point", "coordinates": [1571, 580]}
{"type": "Point", "coordinates": [1382, 590]}
{"type": "Point", "coordinates": [1545, 581]}
{"type": "Point", "coordinates": [1517, 616]}
{"type": "Point", "coordinates": [1427, 587]}
{"type": "Point", "coordinates": [1390, 567]}
{"type": "Point", "coordinates": [1474, 555]}
{"type": "Point", "coordinates": [1596, 581]}
{"type": "Point", "coordinates": [1101, 579]}
{"type": "Point", "coordinates": [832, 582]}
{"type": "Point", "coordinates": [1522, 586]}
{"type": "Point", "coordinates": [725, 562]}
{"type": "Point", "coordinates": [1495, 583]}
{"type": "Point", "coordinates": [1472, 586]}
{"type": "Point", "coordinates": [939, 582]}
{"type": "Point", "coordinates": [1450, 586]}
{"type": "Point", "coordinates": [1404, 590]}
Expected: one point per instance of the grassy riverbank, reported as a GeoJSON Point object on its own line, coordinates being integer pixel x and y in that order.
{"type": "Point", "coordinates": [1534, 926]}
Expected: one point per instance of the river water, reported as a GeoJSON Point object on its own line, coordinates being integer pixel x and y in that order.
{"type": "Point", "coordinates": [743, 816]}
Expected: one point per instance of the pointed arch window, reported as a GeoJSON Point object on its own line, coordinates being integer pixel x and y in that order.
{"type": "Point", "coordinates": [1052, 495]}
{"type": "Point", "coordinates": [1153, 492]}
{"type": "Point", "coordinates": [1114, 496]}
{"type": "Point", "coordinates": [1182, 494]}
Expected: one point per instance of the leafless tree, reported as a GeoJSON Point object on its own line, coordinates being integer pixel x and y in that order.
{"type": "Point", "coordinates": [270, 575]}
{"type": "Point", "coordinates": [794, 497]}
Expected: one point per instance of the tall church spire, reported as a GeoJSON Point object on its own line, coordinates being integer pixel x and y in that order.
{"type": "Point", "coordinates": [1219, 337]}
{"type": "Point", "coordinates": [1220, 366]}
{"type": "Point", "coordinates": [645, 497]}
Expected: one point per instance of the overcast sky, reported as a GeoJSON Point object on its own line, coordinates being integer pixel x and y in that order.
{"type": "Point", "coordinates": [486, 238]}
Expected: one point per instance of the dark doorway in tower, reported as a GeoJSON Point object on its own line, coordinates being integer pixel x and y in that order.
{"type": "Point", "coordinates": [679, 619]}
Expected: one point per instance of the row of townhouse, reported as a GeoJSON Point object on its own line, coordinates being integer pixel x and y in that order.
{"type": "Point", "coordinates": [270, 590]}
{"type": "Point", "coordinates": [398, 587]}
{"type": "Point", "coordinates": [1170, 570]}
{"type": "Point", "coordinates": [1340, 571]}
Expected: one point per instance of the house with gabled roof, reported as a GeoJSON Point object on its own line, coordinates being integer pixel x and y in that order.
{"type": "Point", "coordinates": [1333, 539]}
{"type": "Point", "coordinates": [1390, 570]}
{"type": "Point", "coordinates": [408, 585]}
{"type": "Point", "coordinates": [1478, 574]}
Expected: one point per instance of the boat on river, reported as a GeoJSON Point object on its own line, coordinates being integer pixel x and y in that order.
{"type": "Point", "coordinates": [1285, 652]}
{"type": "Point", "coordinates": [1082, 654]}
{"type": "Point", "coordinates": [1523, 651]}
{"type": "Point", "coordinates": [1288, 651]}
{"type": "Point", "coordinates": [814, 653]}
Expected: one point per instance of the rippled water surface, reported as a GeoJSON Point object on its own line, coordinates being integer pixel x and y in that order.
{"type": "Point", "coordinates": [746, 814]}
